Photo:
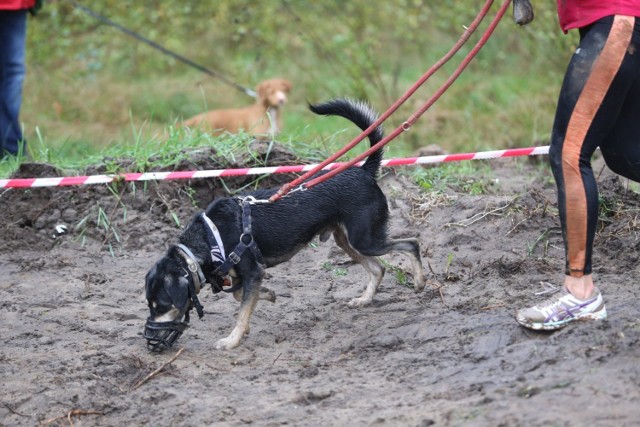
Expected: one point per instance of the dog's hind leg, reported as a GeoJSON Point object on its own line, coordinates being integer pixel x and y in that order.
{"type": "Point", "coordinates": [411, 248]}
{"type": "Point", "coordinates": [371, 264]}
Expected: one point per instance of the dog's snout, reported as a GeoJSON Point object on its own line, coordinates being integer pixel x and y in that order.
{"type": "Point", "coordinates": [162, 335]}
{"type": "Point", "coordinates": [169, 316]}
{"type": "Point", "coordinates": [281, 97]}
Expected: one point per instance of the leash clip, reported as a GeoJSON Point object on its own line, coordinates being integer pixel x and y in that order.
{"type": "Point", "coordinates": [301, 188]}
{"type": "Point", "coordinates": [252, 200]}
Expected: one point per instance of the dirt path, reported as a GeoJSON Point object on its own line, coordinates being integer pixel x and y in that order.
{"type": "Point", "coordinates": [72, 312]}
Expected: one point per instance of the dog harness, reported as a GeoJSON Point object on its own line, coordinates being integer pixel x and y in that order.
{"type": "Point", "coordinates": [216, 248]}
{"type": "Point", "coordinates": [223, 264]}
{"type": "Point", "coordinates": [218, 257]}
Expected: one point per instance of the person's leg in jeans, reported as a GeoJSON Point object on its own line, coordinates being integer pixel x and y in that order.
{"type": "Point", "coordinates": [13, 27]}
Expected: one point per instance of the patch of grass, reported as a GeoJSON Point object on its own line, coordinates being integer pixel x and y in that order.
{"type": "Point", "coordinates": [542, 240]}
{"type": "Point", "coordinates": [338, 271]}
{"type": "Point", "coordinates": [400, 275]}
{"type": "Point", "coordinates": [423, 203]}
{"type": "Point", "coordinates": [474, 178]}
{"type": "Point", "coordinates": [609, 207]}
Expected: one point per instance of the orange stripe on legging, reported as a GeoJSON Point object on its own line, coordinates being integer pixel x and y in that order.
{"type": "Point", "coordinates": [589, 101]}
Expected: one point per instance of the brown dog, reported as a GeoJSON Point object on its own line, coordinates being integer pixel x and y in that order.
{"type": "Point", "coordinates": [262, 119]}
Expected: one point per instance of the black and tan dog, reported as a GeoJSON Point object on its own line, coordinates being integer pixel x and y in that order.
{"type": "Point", "coordinates": [351, 206]}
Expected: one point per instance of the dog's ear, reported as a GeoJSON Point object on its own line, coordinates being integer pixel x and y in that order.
{"type": "Point", "coordinates": [178, 291]}
{"type": "Point", "coordinates": [176, 281]}
{"type": "Point", "coordinates": [262, 90]}
{"type": "Point", "coordinates": [286, 85]}
{"type": "Point", "coordinates": [149, 281]}
{"type": "Point", "coordinates": [167, 283]}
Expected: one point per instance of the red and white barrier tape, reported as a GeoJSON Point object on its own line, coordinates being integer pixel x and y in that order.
{"type": "Point", "coordinates": [159, 176]}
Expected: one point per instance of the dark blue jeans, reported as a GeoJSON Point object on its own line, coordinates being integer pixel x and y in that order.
{"type": "Point", "coordinates": [13, 31]}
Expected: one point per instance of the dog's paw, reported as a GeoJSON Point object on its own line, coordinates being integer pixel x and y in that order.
{"type": "Point", "coordinates": [267, 294]}
{"type": "Point", "coordinates": [226, 344]}
{"type": "Point", "coordinates": [359, 302]}
{"type": "Point", "coordinates": [418, 287]}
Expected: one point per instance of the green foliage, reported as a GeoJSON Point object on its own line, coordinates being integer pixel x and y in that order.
{"type": "Point", "coordinates": [88, 84]}
{"type": "Point", "coordinates": [473, 178]}
{"type": "Point", "coordinates": [543, 241]}
{"type": "Point", "coordinates": [338, 271]}
{"type": "Point", "coordinates": [400, 275]}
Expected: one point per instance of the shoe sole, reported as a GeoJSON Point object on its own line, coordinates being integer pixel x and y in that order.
{"type": "Point", "coordinates": [554, 326]}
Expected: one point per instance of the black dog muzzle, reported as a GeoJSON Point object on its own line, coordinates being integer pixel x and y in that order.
{"type": "Point", "coordinates": [162, 335]}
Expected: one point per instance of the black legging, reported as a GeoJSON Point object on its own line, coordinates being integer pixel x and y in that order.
{"type": "Point", "coordinates": [599, 106]}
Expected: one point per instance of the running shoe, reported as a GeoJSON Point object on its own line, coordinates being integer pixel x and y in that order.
{"type": "Point", "coordinates": [560, 309]}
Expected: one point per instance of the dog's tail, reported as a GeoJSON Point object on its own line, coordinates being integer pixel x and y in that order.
{"type": "Point", "coordinates": [363, 116]}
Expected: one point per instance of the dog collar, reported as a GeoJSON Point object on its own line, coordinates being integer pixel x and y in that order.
{"type": "Point", "coordinates": [193, 266]}
{"type": "Point", "coordinates": [197, 278]}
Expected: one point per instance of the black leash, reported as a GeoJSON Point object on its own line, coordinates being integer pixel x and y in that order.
{"type": "Point", "coordinates": [164, 50]}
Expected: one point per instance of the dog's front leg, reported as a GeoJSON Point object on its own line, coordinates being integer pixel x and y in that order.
{"type": "Point", "coordinates": [250, 296]}
{"type": "Point", "coordinates": [265, 294]}
{"type": "Point", "coordinates": [376, 273]}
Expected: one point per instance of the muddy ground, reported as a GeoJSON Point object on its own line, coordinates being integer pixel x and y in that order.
{"type": "Point", "coordinates": [72, 312]}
